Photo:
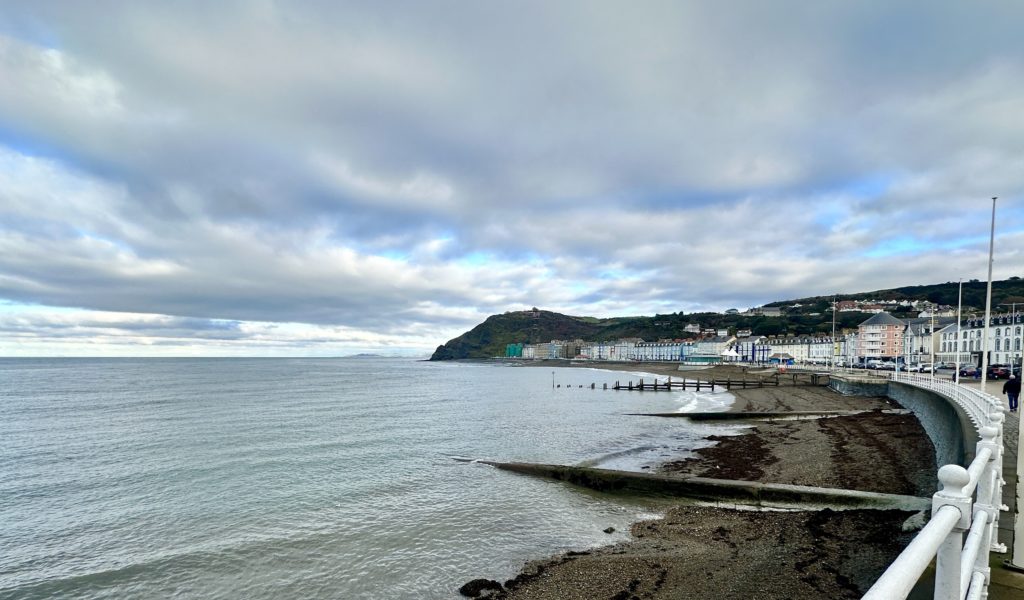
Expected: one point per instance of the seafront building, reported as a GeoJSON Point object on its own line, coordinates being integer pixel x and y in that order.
{"type": "Point", "coordinates": [1005, 340]}
{"type": "Point", "coordinates": [882, 336]}
{"type": "Point", "coordinates": [920, 342]}
{"type": "Point", "coordinates": [658, 351]}
{"type": "Point", "coordinates": [710, 349]}
{"type": "Point", "coordinates": [752, 349]}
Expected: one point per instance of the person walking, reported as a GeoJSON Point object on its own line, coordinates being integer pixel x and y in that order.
{"type": "Point", "coordinates": [1012, 390]}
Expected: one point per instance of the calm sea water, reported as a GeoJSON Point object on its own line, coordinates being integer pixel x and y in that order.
{"type": "Point", "coordinates": [306, 478]}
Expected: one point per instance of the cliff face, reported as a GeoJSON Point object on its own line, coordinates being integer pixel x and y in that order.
{"type": "Point", "coordinates": [489, 338]}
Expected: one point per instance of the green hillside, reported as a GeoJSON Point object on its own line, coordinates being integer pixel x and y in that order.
{"type": "Point", "coordinates": [1009, 290]}
{"type": "Point", "coordinates": [812, 316]}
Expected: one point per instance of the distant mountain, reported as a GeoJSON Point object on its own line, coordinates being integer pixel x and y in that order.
{"type": "Point", "coordinates": [813, 315]}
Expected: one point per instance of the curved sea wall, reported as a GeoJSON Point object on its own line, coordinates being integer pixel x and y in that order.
{"type": "Point", "coordinates": [948, 427]}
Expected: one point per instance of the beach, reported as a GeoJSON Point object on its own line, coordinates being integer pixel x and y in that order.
{"type": "Point", "coordinates": [704, 551]}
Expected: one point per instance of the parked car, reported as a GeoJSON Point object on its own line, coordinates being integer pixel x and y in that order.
{"type": "Point", "coordinates": [921, 368]}
{"type": "Point", "coordinates": [969, 371]}
{"type": "Point", "coordinates": [998, 371]}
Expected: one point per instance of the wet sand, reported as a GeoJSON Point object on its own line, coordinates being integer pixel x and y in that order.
{"type": "Point", "coordinates": [714, 552]}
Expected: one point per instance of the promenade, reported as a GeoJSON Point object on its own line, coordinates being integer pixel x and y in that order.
{"type": "Point", "coordinates": [1006, 583]}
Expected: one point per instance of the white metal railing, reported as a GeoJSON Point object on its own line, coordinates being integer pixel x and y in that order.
{"type": "Point", "coordinates": [969, 502]}
{"type": "Point", "coordinates": [978, 405]}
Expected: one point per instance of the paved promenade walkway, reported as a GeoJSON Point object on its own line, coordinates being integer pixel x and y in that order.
{"type": "Point", "coordinates": [1007, 584]}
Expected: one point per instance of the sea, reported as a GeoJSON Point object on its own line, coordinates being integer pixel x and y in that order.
{"type": "Point", "coordinates": [309, 478]}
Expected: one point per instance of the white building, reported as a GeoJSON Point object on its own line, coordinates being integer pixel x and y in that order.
{"type": "Point", "coordinates": [709, 350]}
{"type": "Point", "coordinates": [820, 350]}
{"type": "Point", "coordinates": [621, 350]}
{"type": "Point", "coordinates": [752, 349]}
{"type": "Point", "coordinates": [1005, 340]}
{"type": "Point", "coordinates": [797, 347]}
{"type": "Point", "coordinates": [921, 340]}
{"type": "Point", "coordinates": [657, 351]}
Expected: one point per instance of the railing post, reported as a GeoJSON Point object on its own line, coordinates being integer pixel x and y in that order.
{"type": "Point", "coordinates": [981, 561]}
{"type": "Point", "coordinates": [989, 488]}
{"type": "Point", "coordinates": [947, 561]}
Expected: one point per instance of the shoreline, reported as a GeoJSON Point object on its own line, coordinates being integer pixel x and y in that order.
{"type": "Point", "coordinates": [701, 551]}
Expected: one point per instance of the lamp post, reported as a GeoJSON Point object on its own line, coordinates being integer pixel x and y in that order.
{"type": "Point", "coordinates": [988, 300]}
{"type": "Point", "coordinates": [832, 363]}
{"type": "Point", "coordinates": [931, 342]}
{"type": "Point", "coordinates": [959, 307]}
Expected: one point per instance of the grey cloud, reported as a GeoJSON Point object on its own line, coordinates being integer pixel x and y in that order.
{"type": "Point", "coordinates": [244, 161]}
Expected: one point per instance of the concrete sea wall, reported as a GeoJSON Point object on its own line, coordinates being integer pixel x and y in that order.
{"type": "Point", "coordinates": [948, 427]}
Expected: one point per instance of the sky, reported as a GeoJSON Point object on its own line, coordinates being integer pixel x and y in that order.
{"type": "Point", "coordinates": [311, 178]}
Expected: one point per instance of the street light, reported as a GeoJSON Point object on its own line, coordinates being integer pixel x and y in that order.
{"type": "Point", "coordinates": [956, 348]}
{"type": "Point", "coordinates": [832, 363]}
{"type": "Point", "coordinates": [988, 300]}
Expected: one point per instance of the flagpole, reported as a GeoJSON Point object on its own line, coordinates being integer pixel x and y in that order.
{"type": "Point", "coordinates": [988, 300]}
{"type": "Point", "coordinates": [959, 308]}
{"type": "Point", "coordinates": [832, 363]}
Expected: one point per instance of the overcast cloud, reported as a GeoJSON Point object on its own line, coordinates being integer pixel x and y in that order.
{"type": "Point", "coordinates": [319, 178]}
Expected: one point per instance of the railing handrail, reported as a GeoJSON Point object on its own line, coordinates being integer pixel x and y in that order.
{"type": "Point", "coordinates": [903, 573]}
{"type": "Point", "coordinates": [978, 405]}
{"type": "Point", "coordinates": [968, 502]}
